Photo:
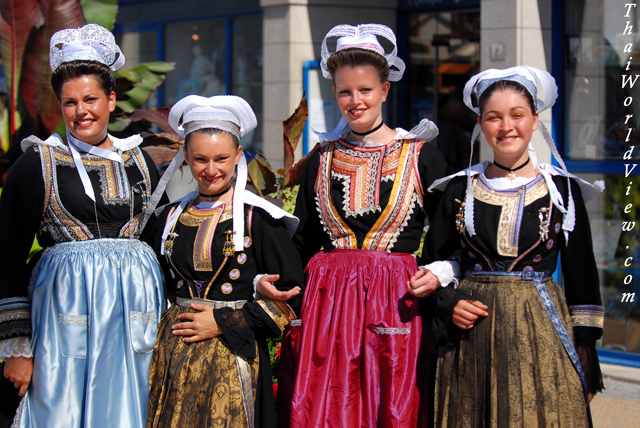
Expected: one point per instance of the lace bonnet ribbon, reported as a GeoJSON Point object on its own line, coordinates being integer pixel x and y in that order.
{"type": "Point", "coordinates": [89, 43]}
{"type": "Point", "coordinates": [544, 91]}
{"type": "Point", "coordinates": [363, 36]}
{"type": "Point", "coordinates": [225, 112]}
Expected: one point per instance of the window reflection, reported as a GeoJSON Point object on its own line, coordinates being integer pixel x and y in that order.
{"type": "Point", "coordinates": [444, 52]}
{"type": "Point", "coordinates": [595, 61]}
{"type": "Point", "coordinates": [198, 49]}
{"type": "Point", "coordinates": [618, 257]}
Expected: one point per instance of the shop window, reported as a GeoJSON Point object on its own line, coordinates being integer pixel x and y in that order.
{"type": "Point", "coordinates": [246, 72]}
{"type": "Point", "coordinates": [617, 253]}
{"type": "Point", "coordinates": [443, 53]}
{"type": "Point", "coordinates": [595, 61]}
{"type": "Point", "coordinates": [199, 50]}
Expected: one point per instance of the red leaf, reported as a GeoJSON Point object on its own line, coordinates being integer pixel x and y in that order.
{"type": "Point", "coordinates": [59, 14]}
{"type": "Point", "coordinates": [157, 116]}
{"type": "Point", "coordinates": [160, 155]}
{"type": "Point", "coordinates": [18, 18]}
{"type": "Point", "coordinates": [295, 173]}
{"type": "Point", "coordinates": [293, 128]}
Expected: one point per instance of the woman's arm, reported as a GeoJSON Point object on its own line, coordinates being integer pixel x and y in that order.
{"type": "Point", "coordinates": [274, 253]}
{"type": "Point", "coordinates": [21, 210]}
{"type": "Point", "coordinates": [582, 289]}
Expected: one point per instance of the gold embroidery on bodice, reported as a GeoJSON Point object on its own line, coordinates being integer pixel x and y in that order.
{"type": "Point", "coordinates": [512, 202]}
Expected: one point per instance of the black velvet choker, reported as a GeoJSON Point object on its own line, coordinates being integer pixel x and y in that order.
{"type": "Point", "coordinates": [512, 171]}
{"type": "Point", "coordinates": [215, 195]}
{"type": "Point", "coordinates": [371, 131]}
{"type": "Point", "coordinates": [103, 140]}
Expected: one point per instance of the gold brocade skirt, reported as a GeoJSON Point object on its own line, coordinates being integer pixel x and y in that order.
{"type": "Point", "coordinates": [198, 384]}
{"type": "Point", "coordinates": [511, 369]}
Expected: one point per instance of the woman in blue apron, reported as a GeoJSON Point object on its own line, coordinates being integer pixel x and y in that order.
{"type": "Point", "coordinates": [78, 333]}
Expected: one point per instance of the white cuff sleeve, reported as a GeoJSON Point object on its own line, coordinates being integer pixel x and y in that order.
{"type": "Point", "coordinates": [256, 295]}
{"type": "Point", "coordinates": [447, 272]}
{"type": "Point", "coordinates": [15, 347]}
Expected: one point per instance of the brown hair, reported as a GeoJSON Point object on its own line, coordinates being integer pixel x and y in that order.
{"type": "Point", "coordinates": [74, 69]}
{"type": "Point", "coordinates": [353, 57]}
{"type": "Point", "coordinates": [210, 131]}
{"type": "Point", "coordinates": [504, 85]}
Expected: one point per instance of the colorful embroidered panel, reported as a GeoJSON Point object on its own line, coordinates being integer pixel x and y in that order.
{"type": "Point", "coordinates": [361, 170]}
{"type": "Point", "coordinates": [15, 317]}
{"type": "Point", "coordinates": [278, 311]}
{"type": "Point", "coordinates": [512, 202]}
{"type": "Point", "coordinates": [587, 315]}
{"type": "Point", "coordinates": [206, 220]}
{"type": "Point", "coordinates": [114, 183]}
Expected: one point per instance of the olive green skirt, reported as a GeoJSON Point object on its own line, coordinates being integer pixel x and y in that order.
{"type": "Point", "coordinates": [510, 369]}
{"type": "Point", "coordinates": [198, 384]}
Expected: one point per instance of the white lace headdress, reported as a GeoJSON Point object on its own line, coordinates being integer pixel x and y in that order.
{"type": "Point", "coordinates": [90, 42]}
{"type": "Point", "coordinates": [228, 113]}
{"type": "Point", "coordinates": [363, 36]}
{"type": "Point", "coordinates": [544, 91]}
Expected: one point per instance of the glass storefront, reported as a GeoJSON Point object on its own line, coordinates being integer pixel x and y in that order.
{"type": "Point", "coordinates": [212, 56]}
{"type": "Point", "coordinates": [443, 53]}
{"type": "Point", "coordinates": [598, 128]}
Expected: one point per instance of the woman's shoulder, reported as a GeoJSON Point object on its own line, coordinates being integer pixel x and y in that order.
{"type": "Point", "coordinates": [269, 213]}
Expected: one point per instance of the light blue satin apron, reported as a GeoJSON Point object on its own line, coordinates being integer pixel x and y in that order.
{"type": "Point", "coordinates": [95, 310]}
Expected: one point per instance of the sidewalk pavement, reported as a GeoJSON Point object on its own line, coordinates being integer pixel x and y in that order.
{"type": "Point", "coordinates": [618, 406]}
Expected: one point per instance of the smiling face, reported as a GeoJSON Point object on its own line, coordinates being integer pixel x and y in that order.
{"type": "Point", "coordinates": [360, 95]}
{"type": "Point", "coordinates": [86, 108]}
{"type": "Point", "coordinates": [508, 123]}
{"type": "Point", "coordinates": [212, 159]}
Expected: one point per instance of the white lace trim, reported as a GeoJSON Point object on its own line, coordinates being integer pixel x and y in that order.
{"type": "Point", "coordinates": [447, 272]}
{"type": "Point", "coordinates": [296, 323]}
{"type": "Point", "coordinates": [256, 295]}
{"type": "Point", "coordinates": [393, 330]}
{"type": "Point", "coordinates": [81, 320]}
{"type": "Point", "coordinates": [143, 317]}
{"type": "Point", "coordinates": [18, 417]}
{"type": "Point", "coordinates": [15, 347]}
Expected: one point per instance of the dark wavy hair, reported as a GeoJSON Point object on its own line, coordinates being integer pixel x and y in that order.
{"type": "Point", "coordinates": [74, 69]}
{"type": "Point", "coordinates": [503, 85]}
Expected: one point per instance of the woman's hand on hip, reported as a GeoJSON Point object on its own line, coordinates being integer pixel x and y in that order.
{"type": "Point", "coordinates": [198, 326]}
{"type": "Point", "coordinates": [467, 312]}
{"type": "Point", "coordinates": [423, 283]}
{"type": "Point", "coordinates": [19, 371]}
{"type": "Point", "coordinates": [266, 289]}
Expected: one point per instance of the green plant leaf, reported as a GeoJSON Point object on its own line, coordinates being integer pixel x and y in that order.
{"type": "Point", "coordinates": [142, 80]}
{"type": "Point", "coordinates": [101, 12]}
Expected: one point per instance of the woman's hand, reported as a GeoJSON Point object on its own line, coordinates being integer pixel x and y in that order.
{"type": "Point", "coordinates": [423, 283]}
{"type": "Point", "coordinates": [467, 312]}
{"type": "Point", "coordinates": [19, 370]}
{"type": "Point", "coordinates": [266, 288]}
{"type": "Point", "coordinates": [201, 326]}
